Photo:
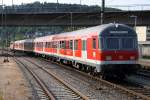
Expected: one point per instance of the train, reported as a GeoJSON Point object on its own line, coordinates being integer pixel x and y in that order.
{"type": "Point", "coordinates": [109, 49]}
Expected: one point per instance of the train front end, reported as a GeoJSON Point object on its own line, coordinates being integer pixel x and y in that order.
{"type": "Point", "coordinates": [119, 51]}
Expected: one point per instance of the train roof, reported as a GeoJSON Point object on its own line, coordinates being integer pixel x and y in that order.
{"type": "Point", "coordinates": [44, 38]}
{"type": "Point", "coordinates": [104, 30]}
{"type": "Point", "coordinates": [25, 40]}
{"type": "Point", "coordinates": [101, 30]}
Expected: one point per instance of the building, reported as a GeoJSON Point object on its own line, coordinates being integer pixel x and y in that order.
{"type": "Point", "coordinates": [143, 33]}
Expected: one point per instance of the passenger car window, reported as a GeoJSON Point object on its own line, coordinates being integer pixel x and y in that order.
{"type": "Point", "coordinates": [70, 44]}
{"type": "Point", "coordinates": [83, 44]}
{"type": "Point", "coordinates": [76, 45]}
{"type": "Point", "coordinates": [94, 43]}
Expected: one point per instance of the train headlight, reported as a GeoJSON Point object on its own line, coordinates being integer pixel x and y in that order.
{"type": "Point", "coordinates": [108, 58]}
{"type": "Point", "coordinates": [132, 57]}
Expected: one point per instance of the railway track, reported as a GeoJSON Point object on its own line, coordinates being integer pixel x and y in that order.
{"type": "Point", "coordinates": [58, 88]}
{"type": "Point", "coordinates": [132, 92]}
{"type": "Point", "coordinates": [39, 89]}
{"type": "Point", "coordinates": [138, 92]}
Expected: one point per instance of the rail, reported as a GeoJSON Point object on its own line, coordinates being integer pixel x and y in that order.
{"type": "Point", "coordinates": [44, 88]}
{"type": "Point", "coordinates": [61, 81]}
{"type": "Point", "coordinates": [121, 88]}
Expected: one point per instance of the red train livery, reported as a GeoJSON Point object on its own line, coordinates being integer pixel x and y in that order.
{"type": "Point", "coordinates": [111, 49]}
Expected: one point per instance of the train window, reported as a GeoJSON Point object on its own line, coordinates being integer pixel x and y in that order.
{"type": "Point", "coordinates": [127, 43]}
{"type": "Point", "coordinates": [112, 43]}
{"type": "Point", "coordinates": [67, 44]}
{"type": "Point", "coordinates": [49, 45]}
{"type": "Point", "coordinates": [83, 44]}
{"type": "Point", "coordinates": [52, 43]}
{"type": "Point", "coordinates": [135, 43]}
{"type": "Point", "coordinates": [60, 44]}
{"type": "Point", "coordinates": [94, 43]}
{"type": "Point", "coordinates": [101, 43]}
{"type": "Point", "coordinates": [36, 44]}
{"type": "Point", "coordinates": [76, 45]}
{"type": "Point", "coordinates": [46, 45]}
{"type": "Point", "coordinates": [41, 44]}
{"type": "Point", "coordinates": [70, 44]}
{"type": "Point", "coordinates": [63, 44]}
{"type": "Point", "coordinates": [55, 44]}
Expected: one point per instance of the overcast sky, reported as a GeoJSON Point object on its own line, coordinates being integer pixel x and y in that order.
{"type": "Point", "coordinates": [87, 2]}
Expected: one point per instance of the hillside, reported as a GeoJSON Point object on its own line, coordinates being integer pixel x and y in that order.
{"type": "Point", "coordinates": [54, 7]}
{"type": "Point", "coordinates": [37, 7]}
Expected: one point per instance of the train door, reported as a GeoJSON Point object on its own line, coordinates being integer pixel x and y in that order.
{"type": "Point", "coordinates": [84, 52]}
{"type": "Point", "coordinates": [92, 48]}
{"type": "Point", "coordinates": [77, 47]}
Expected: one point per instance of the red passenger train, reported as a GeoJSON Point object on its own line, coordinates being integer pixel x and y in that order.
{"type": "Point", "coordinates": [111, 49]}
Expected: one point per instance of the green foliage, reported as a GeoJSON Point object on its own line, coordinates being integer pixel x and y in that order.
{"type": "Point", "coordinates": [54, 7]}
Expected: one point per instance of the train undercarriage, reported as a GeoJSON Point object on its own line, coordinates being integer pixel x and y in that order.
{"type": "Point", "coordinates": [108, 72]}
{"type": "Point", "coordinates": [119, 71]}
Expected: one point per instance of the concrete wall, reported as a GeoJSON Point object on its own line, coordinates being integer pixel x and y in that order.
{"type": "Point", "coordinates": [141, 33]}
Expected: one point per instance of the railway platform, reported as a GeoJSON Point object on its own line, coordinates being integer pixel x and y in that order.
{"type": "Point", "coordinates": [13, 85]}
{"type": "Point", "coordinates": [145, 63]}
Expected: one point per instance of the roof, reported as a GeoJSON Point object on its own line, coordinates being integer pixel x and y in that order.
{"type": "Point", "coordinates": [144, 42]}
{"type": "Point", "coordinates": [111, 29]}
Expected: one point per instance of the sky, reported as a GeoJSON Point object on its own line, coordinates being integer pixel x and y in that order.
{"type": "Point", "coordinates": [89, 2]}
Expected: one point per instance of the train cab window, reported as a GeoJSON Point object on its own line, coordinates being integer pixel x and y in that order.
{"type": "Point", "coordinates": [127, 43]}
{"type": "Point", "coordinates": [83, 44]}
{"type": "Point", "coordinates": [94, 43]}
{"type": "Point", "coordinates": [135, 44]}
{"type": "Point", "coordinates": [112, 43]}
{"type": "Point", "coordinates": [76, 45]}
{"type": "Point", "coordinates": [70, 44]}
